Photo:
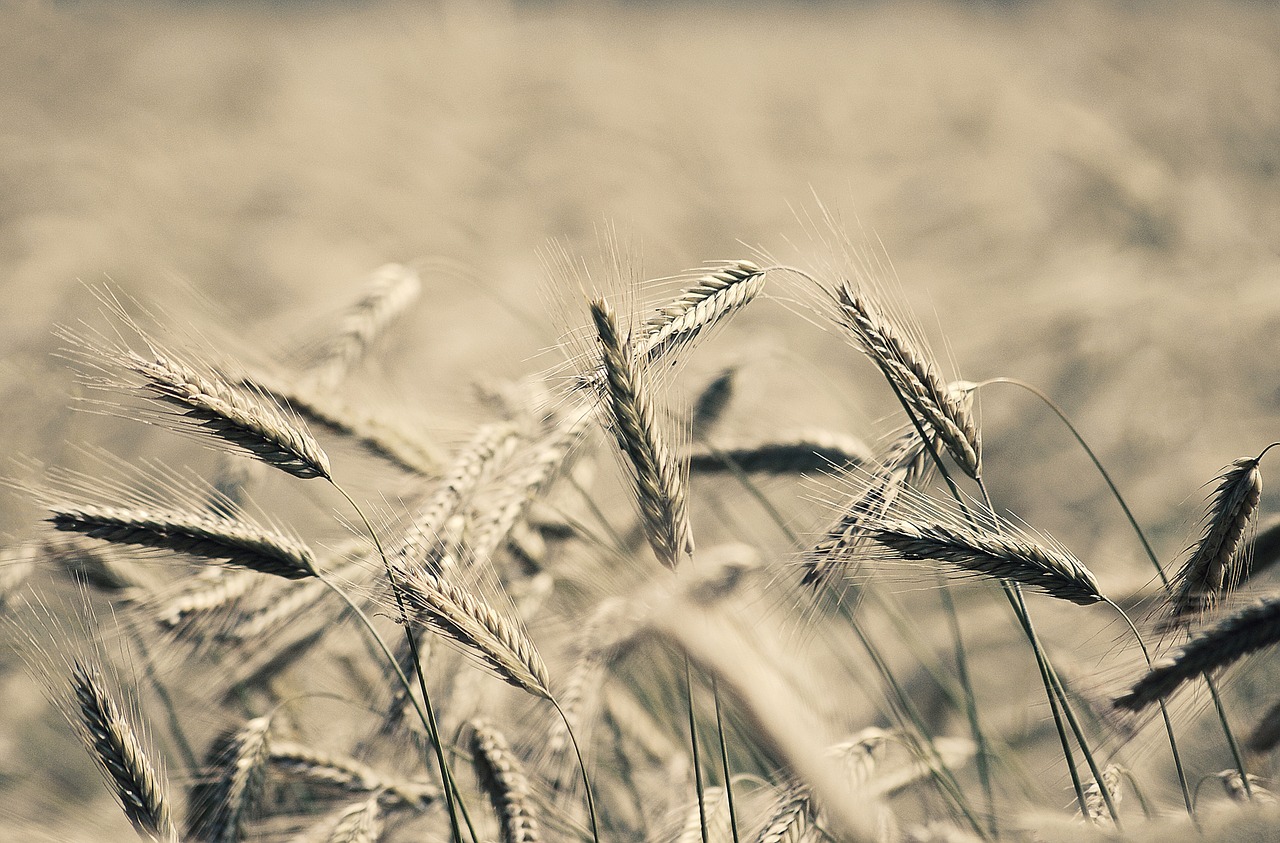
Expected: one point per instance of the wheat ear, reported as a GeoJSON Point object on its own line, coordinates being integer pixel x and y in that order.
{"type": "Point", "coordinates": [299, 761]}
{"type": "Point", "coordinates": [702, 304]}
{"type": "Point", "coordinates": [797, 453]}
{"type": "Point", "coordinates": [115, 747]}
{"type": "Point", "coordinates": [463, 617]}
{"type": "Point", "coordinates": [904, 461]}
{"type": "Point", "coordinates": [1235, 636]}
{"type": "Point", "coordinates": [1045, 569]}
{"type": "Point", "coordinates": [222, 802]}
{"type": "Point", "coordinates": [502, 777]}
{"type": "Point", "coordinates": [196, 398]}
{"type": "Point", "coordinates": [656, 479]}
{"type": "Point", "coordinates": [907, 366]}
{"type": "Point", "coordinates": [1095, 807]}
{"type": "Point", "coordinates": [238, 541]}
{"type": "Point", "coordinates": [790, 817]}
{"type": "Point", "coordinates": [1215, 565]}
{"type": "Point", "coordinates": [390, 290]}
{"type": "Point", "coordinates": [491, 443]}
{"type": "Point", "coordinates": [377, 433]}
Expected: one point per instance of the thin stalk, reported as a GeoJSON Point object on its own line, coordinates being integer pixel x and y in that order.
{"type": "Point", "coordinates": [429, 716]}
{"type": "Point", "coordinates": [693, 739]}
{"type": "Point", "coordinates": [1013, 594]}
{"type": "Point", "coordinates": [724, 761]}
{"type": "Point", "coordinates": [887, 674]}
{"type": "Point", "coordinates": [970, 704]}
{"type": "Point", "coordinates": [903, 703]}
{"type": "Point", "coordinates": [586, 781]}
{"type": "Point", "coordinates": [1164, 581]}
{"type": "Point", "coordinates": [1164, 712]}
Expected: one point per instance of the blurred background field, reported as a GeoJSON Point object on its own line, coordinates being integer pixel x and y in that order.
{"type": "Point", "coordinates": [1083, 195]}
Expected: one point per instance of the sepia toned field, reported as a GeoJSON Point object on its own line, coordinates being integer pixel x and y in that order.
{"type": "Point", "coordinates": [473, 314]}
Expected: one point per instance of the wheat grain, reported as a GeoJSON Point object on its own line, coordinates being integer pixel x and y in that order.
{"type": "Point", "coordinates": [238, 541]}
{"type": "Point", "coordinates": [796, 453]}
{"type": "Point", "coordinates": [390, 290]}
{"type": "Point", "coordinates": [463, 617]}
{"type": "Point", "coordinates": [907, 365]}
{"type": "Point", "coordinates": [299, 761]}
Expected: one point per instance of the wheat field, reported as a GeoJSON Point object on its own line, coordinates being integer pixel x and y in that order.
{"type": "Point", "coordinates": [502, 421]}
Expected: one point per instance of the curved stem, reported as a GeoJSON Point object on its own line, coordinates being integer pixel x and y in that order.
{"type": "Point", "coordinates": [1227, 731]}
{"type": "Point", "coordinates": [586, 781]}
{"type": "Point", "coordinates": [428, 716]}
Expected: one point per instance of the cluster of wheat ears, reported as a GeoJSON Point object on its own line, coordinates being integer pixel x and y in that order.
{"type": "Point", "coordinates": [352, 683]}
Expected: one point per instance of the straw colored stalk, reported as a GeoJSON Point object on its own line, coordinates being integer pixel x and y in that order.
{"type": "Point", "coordinates": [1234, 637]}
{"type": "Point", "coordinates": [464, 618]}
{"type": "Point", "coordinates": [238, 541]}
{"type": "Point", "coordinates": [503, 779]}
{"type": "Point", "coordinates": [298, 761]}
{"type": "Point", "coordinates": [656, 478]}
{"type": "Point", "coordinates": [807, 451]}
{"type": "Point", "coordinates": [222, 801]}
{"type": "Point", "coordinates": [1215, 565]}
{"type": "Point", "coordinates": [781, 723]}
{"type": "Point", "coordinates": [119, 754]}
{"type": "Point", "coordinates": [390, 290]}
{"type": "Point", "coordinates": [906, 364]}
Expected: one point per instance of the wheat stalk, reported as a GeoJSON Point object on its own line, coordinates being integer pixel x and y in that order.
{"type": "Point", "coordinates": [116, 748]}
{"type": "Point", "coordinates": [502, 777]}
